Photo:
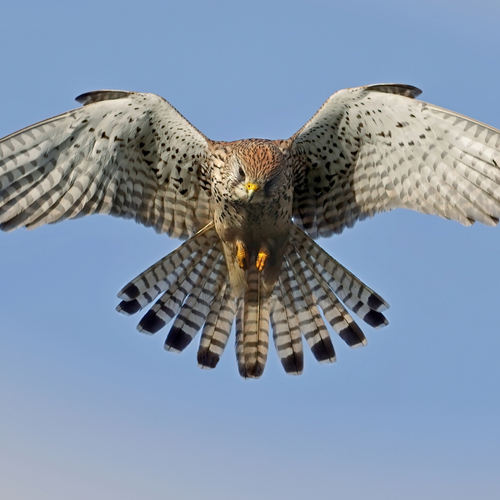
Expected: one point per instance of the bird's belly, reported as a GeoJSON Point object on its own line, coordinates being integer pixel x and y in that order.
{"type": "Point", "coordinates": [254, 236]}
{"type": "Point", "coordinates": [250, 247]}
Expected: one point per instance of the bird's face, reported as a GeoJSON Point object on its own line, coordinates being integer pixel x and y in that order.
{"type": "Point", "coordinates": [258, 172]}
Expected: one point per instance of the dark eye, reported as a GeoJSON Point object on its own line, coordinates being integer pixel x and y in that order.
{"type": "Point", "coordinates": [241, 172]}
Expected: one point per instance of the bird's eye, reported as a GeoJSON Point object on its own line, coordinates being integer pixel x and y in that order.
{"type": "Point", "coordinates": [241, 172]}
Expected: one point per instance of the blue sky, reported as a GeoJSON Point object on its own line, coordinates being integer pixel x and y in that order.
{"type": "Point", "coordinates": [90, 408]}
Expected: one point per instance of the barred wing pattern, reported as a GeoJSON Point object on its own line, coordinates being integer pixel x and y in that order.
{"type": "Point", "coordinates": [123, 153]}
{"type": "Point", "coordinates": [367, 150]}
{"type": "Point", "coordinates": [375, 148]}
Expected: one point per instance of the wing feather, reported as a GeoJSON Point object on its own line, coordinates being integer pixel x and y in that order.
{"type": "Point", "coordinates": [128, 154]}
{"type": "Point", "coordinates": [375, 148]}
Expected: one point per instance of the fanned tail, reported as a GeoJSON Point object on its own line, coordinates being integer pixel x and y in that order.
{"type": "Point", "coordinates": [194, 311]}
{"type": "Point", "coordinates": [192, 289]}
{"type": "Point", "coordinates": [192, 285]}
{"type": "Point", "coordinates": [168, 306]}
{"type": "Point", "coordinates": [357, 296]}
{"type": "Point", "coordinates": [304, 307]}
{"type": "Point", "coordinates": [172, 269]}
{"type": "Point", "coordinates": [311, 280]}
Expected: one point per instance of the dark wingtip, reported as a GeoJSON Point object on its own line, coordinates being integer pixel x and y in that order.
{"type": "Point", "coordinates": [396, 88]}
{"type": "Point", "coordinates": [101, 95]}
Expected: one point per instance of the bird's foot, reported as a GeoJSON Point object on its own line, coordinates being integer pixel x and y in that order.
{"type": "Point", "coordinates": [242, 256]}
{"type": "Point", "coordinates": [261, 259]}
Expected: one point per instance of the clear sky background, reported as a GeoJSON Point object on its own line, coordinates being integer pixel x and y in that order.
{"type": "Point", "coordinates": [90, 408]}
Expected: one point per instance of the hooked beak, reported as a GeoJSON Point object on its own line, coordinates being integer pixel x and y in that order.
{"type": "Point", "coordinates": [251, 189]}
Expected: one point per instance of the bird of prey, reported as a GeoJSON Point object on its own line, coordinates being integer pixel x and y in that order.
{"type": "Point", "coordinates": [251, 209]}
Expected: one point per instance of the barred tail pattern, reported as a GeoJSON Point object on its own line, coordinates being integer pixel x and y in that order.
{"type": "Point", "coordinates": [252, 327]}
{"type": "Point", "coordinates": [286, 331]}
{"type": "Point", "coordinates": [193, 290]}
{"type": "Point", "coordinates": [308, 316]}
{"type": "Point", "coordinates": [313, 287]}
{"type": "Point", "coordinates": [169, 271]}
{"type": "Point", "coordinates": [190, 287]}
{"type": "Point", "coordinates": [357, 296]}
{"type": "Point", "coordinates": [217, 328]}
{"type": "Point", "coordinates": [311, 280]}
{"type": "Point", "coordinates": [194, 311]}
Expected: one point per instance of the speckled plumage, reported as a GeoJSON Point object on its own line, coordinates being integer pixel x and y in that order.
{"type": "Point", "coordinates": [250, 208]}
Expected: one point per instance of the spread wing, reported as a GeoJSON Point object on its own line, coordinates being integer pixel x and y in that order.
{"type": "Point", "coordinates": [375, 148]}
{"type": "Point", "coordinates": [126, 154]}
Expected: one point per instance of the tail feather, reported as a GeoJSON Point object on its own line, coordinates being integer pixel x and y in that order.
{"type": "Point", "coordinates": [252, 327]}
{"type": "Point", "coordinates": [286, 332]}
{"type": "Point", "coordinates": [309, 318]}
{"type": "Point", "coordinates": [171, 269]}
{"type": "Point", "coordinates": [240, 355]}
{"type": "Point", "coordinates": [217, 328]}
{"type": "Point", "coordinates": [335, 313]}
{"type": "Point", "coordinates": [169, 304]}
{"type": "Point", "coordinates": [195, 293]}
{"type": "Point", "coordinates": [142, 300]}
{"type": "Point", "coordinates": [191, 288]}
{"type": "Point", "coordinates": [360, 298]}
{"type": "Point", "coordinates": [195, 309]}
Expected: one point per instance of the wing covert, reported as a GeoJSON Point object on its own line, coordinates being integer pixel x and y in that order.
{"type": "Point", "coordinates": [375, 148]}
{"type": "Point", "coordinates": [123, 153]}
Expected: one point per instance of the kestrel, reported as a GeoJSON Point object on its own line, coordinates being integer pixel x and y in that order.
{"type": "Point", "coordinates": [251, 209]}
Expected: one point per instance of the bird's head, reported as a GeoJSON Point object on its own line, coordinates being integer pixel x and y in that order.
{"type": "Point", "coordinates": [258, 171]}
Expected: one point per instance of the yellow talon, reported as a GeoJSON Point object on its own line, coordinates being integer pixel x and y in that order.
{"type": "Point", "coordinates": [261, 260]}
{"type": "Point", "coordinates": [241, 255]}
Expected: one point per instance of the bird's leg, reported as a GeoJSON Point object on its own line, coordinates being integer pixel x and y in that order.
{"type": "Point", "coordinates": [242, 255]}
{"type": "Point", "coordinates": [261, 258]}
